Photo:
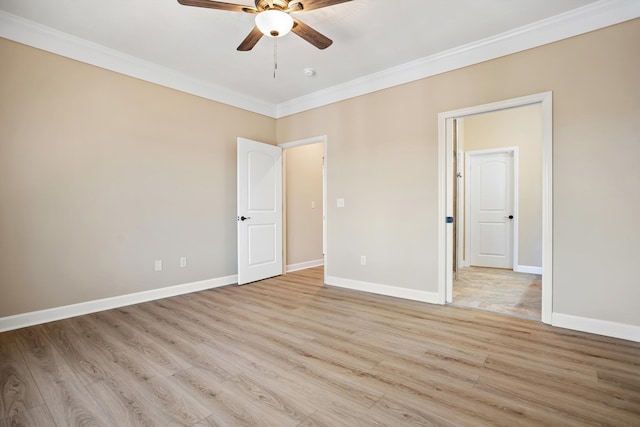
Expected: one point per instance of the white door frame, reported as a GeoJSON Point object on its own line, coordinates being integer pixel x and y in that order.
{"type": "Point", "coordinates": [445, 146]}
{"type": "Point", "coordinates": [467, 198]}
{"type": "Point", "coordinates": [300, 142]}
{"type": "Point", "coordinates": [460, 207]}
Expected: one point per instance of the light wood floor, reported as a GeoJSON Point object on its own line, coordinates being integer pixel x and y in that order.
{"type": "Point", "coordinates": [500, 291]}
{"type": "Point", "coordinates": [289, 351]}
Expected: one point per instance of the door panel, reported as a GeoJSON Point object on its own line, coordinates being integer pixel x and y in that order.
{"type": "Point", "coordinates": [493, 237]}
{"type": "Point", "coordinates": [259, 211]}
{"type": "Point", "coordinates": [261, 190]}
{"type": "Point", "coordinates": [262, 244]}
{"type": "Point", "coordinates": [491, 204]}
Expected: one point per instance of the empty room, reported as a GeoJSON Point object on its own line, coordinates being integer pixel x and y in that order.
{"type": "Point", "coordinates": [319, 213]}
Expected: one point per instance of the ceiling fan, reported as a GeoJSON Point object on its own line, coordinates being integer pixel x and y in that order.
{"type": "Point", "coordinates": [273, 19]}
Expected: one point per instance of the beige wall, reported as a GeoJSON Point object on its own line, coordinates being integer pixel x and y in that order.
{"type": "Point", "coordinates": [304, 186]}
{"type": "Point", "coordinates": [101, 174]}
{"type": "Point", "coordinates": [382, 159]}
{"type": "Point", "coordinates": [522, 128]}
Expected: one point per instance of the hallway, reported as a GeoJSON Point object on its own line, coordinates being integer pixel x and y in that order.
{"type": "Point", "coordinates": [499, 291]}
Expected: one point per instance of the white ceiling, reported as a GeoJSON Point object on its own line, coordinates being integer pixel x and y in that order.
{"type": "Point", "coordinates": [369, 36]}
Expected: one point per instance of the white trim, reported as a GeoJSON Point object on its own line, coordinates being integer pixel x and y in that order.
{"type": "Point", "coordinates": [546, 100]}
{"type": "Point", "coordinates": [592, 17]}
{"type": "Point", "coordinates": [595, 326]}
{"type": "Point", "coordinates": [304, 265]}
{"type": "Point", "coordinates": [387, 290]}
{"type": "Point", "coordinates": [547, 208]}
{"type": "Point", "coordinates": [467, 212]}
{"type": "Point", "coordinates": [516, 206]}
{"type": "Point", "coordinates": [443, 143]}
{"type": "Point", "coordinates": [39, 36]}
{"type": "Point", "coordinates": [527, 269]}
{"type": "Point", "coordinates": [449, 129]}
{"type": "Point", "coordinates": [459, 223]}
{"type": "Point", "coordinates": [57, 313]}
{"type": "Point", "coordinates": [306, 141]}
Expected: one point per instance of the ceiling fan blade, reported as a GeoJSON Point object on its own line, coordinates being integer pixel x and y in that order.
{"type": "Point", "coordinates": [250, 41]}
{"type": "Point", "coordinates": [309, 34]}
{"type": "Point", "coordinates": [317, 4]}
{"type": "Point", "coordinates": [218, 5]}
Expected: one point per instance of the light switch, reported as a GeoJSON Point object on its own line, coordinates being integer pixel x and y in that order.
{"type": "Point", "coordinates": [313, 204]}
{"type": "Point", "coordinates": [340, 203]}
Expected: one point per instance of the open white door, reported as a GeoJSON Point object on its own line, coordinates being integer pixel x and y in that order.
{"type": "Point", "coordinates": [449, 209]}
{"type": "Point", "coordinates": [259, 211]}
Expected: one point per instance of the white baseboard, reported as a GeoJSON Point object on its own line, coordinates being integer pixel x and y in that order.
{"type": "Point", "coordinates": [527, 269]}
{"type": "Point", "coordinates": [57, 313]}
{"type": "Point", "coordinates": [391, 291]}
{"type": "Point", "coordinates": [595, 326]}
{"type": "Point", "coordinates": [304, 265]}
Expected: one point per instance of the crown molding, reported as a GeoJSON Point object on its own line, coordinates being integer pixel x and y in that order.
{"type": "Point", "coordinates": [592, 17]}
{"type": "Point", "coordinates": [30, 33]}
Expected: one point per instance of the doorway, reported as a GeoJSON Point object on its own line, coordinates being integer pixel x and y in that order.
{"type": "Point", "coordinates": [455, 221]}
{"type": "Point", "coordinates": [488, 275]}
{"type": "Point", "coordinates": [305, 184]}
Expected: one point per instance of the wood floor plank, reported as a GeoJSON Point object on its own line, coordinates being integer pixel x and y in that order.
{"type": "Point", "coordinates": [294, 381]}
{"type": "Point", "coordinates": [340, 414]}
{"type": "Point", "coordinates": [152, 353]}
{"type": "Point", "coordinates": [590, 392]}
{"type": "Point", "coordinates": [18, 391]}
{"type": "Point", "coordinates": [230, 406]}
{"type": "Point", "coordinates": [37, 416]}
{"type": "Point", "coordinates": [119, 358]}
{"type": "Point", "coordinates": [86, 363]}
{"type": "Point", "coordinates": [173, 340]}
{"type": "Point", "coordinates": [127, 406]}
{"type": "Point", "coordinates": [453, 400]}
{"type": "Point", "coordinates": [290, 351]}
{"type": "Point", "coordinates": [66, 397]}
{"type": "Point", "coordinates": [571, 408]}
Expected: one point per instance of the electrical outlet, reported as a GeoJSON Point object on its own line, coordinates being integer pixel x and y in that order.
{"type": "Point", "coordinates": [183, 262]}
{"type": "Point", "coordinates": [158, 265]}
{"type": "Point", "coordinates": [363, 260]}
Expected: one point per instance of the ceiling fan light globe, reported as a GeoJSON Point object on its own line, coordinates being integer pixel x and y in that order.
{"type": "Point", "coordinates": [274, 23]}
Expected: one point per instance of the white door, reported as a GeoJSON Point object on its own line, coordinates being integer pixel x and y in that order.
{"type": "Point", "coordinates": [259, 211]}
{"type": "Point", "coordinates": [491, 210]}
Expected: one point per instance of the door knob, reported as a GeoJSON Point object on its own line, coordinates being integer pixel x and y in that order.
{"type": "Point", "coordinates": [510, 217]}
{"type": "Point", "coordinates": [243, 218]}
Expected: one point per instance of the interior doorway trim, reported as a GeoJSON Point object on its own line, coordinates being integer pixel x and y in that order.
{"type": "Point", "coordinates": [445, 231]}
{"type": "Point", "coordinates": [298, 143]}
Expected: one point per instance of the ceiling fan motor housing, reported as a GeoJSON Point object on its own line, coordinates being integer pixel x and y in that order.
{"type": "Point", "coordinates": [277, 4]}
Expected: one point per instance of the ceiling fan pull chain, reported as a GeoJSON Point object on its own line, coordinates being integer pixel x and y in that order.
{"type": "Point", "coordinates": [275, 56]}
